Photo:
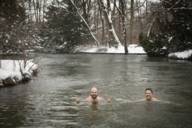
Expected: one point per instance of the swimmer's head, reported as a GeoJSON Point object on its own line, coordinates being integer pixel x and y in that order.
{"type": "Point", "coordinates": [148, 94]}
{"type": "Point", "coordinates": [94, 92]}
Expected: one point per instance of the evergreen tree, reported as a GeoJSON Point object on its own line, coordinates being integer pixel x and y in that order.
{"type": "Point", "coordinates": [173, 28]}
{"type": "Point", "coordinates": [64, 27]}
{"type": "Point", "coordinates": [179, 25]}
{"type": "Point", "coordinates": [12, 16]}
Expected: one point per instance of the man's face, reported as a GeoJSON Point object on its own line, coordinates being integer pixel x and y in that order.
{"type": "Point", "coordinates": [94, 93]}
{"type": "Point", "coordinates": [148, 95]}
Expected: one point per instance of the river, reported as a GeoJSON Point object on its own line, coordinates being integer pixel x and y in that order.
{"type": "Point", "coordinates": [47, 101]}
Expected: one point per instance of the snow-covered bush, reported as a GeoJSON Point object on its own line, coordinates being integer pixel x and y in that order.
{"type": "Point", "coordinates": [156, 45]}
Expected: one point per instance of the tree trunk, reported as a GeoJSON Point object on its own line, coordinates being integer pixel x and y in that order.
{"type": "Point", "coordinates": [131, 21]}
{"type": "Point", "coordinates": [102, 24]}
{"type": "Point", "coordinates": [44, 7]}
{"type": "Point", "coordinates": [146, 7]}
{"type": "Point", "coordinates": [85, 15]}
{"type": "Point", "coordinates": [97, 42]}
{"type": "Point", "coordinates": [123, 25]}
{"type": "Point", "coordinates": [150, 27]}
{"type": "Point", "coordinates": [107, 15]}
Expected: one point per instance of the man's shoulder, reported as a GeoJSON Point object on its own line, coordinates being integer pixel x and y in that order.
{"type": "Point", "coordinates": [88, 98]}
{"type": "Point", "coordinates": [155, 99]}
{"type": "Point", "coordinates": [100, 98]}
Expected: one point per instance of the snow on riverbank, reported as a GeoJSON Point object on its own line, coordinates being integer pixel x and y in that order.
{"type": "Point", "coordinates": [133, 49]}
{"type": "Point", "coordinates": [181, 55]}
{"type": "Point", "coordinates": [16, 69]}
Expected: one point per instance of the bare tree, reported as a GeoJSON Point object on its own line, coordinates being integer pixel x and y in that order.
{"type": "Point", "coordinates": [108, 18]}
{"type": "Point", "coordinates": [96, 40]}
{"type": "Point", "coordinates": [86, 9]}
{"type": "Point", "coordinates": [131, 21]}
{"type": "Point", "coordinates": [123, 7]}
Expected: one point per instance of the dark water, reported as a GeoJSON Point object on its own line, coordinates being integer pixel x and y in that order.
{"type": "Point", "coordinates": [46, 102]}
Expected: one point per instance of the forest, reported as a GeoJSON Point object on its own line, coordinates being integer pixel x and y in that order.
{"type": "Point", "coordinates": [160, 26]}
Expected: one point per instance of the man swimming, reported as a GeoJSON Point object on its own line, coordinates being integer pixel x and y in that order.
{"type": "Point", "coordinates": [149, 95]}
{"type": "Point", "coordinates": [93, 97]}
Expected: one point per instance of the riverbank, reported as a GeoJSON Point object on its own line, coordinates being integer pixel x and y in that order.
{"type": "Point", "coordinates": [13, 72]}
{"type": "Point", "coordinates": [132, 49]}
{"type": "Point", "coordinates": [184, 55]}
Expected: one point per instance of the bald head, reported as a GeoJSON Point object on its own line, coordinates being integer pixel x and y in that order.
{"type": "Point", "coordinates": [94, 92]}
{"type": "Point", "coordinates": [93, 89]}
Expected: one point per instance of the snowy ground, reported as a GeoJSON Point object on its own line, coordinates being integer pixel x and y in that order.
{"type": "Point", "coordinates": [133, 49]}
{"type": "Point", "coordinates": [11, 68]}
{"type": "Point", "coordinates": [181, 55]}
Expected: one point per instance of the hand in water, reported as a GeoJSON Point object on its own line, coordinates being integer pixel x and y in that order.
{"type": "Point", "coordinates": [77, 100]}
{"type": "Point", "coordinates": [109, 100]}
